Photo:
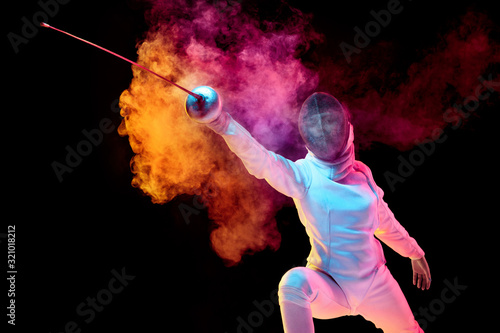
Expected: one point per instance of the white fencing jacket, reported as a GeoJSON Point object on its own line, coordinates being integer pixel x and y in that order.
{"type": "Point", "coordinates": [339, 205]}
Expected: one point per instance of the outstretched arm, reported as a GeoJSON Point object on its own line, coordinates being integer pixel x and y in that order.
{"type": "Point", "coordinates": [287, 177]}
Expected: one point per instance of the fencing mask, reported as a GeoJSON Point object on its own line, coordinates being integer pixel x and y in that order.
{"type": "Point", "coordinates": [324, 126]}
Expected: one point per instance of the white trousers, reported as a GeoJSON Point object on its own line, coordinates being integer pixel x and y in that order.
{"type": "Point", "coordinates": [305, 293]}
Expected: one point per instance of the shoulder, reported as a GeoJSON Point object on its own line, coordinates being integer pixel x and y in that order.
{"type": "Point", "coordinates": [360, 166]}
{"type": "Point", "coordinates": [305, 166]}
{"type": "Point", "coordinates": [305, 171]}
{"type": "Point", "coordinates": [365, 169]}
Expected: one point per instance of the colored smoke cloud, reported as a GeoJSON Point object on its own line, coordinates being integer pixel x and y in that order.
{"type": "Point", "coordinates": [252, 66]}
{"type": "Point", "coordinates": [402, 108]}
{"type": "Point", "coordinates": [255, 65]}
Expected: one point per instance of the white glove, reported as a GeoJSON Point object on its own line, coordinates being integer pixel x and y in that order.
{"type": "Point", "coordinates": [208, 110]}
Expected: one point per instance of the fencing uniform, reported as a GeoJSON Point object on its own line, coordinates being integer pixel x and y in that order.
{"type": "Point", "coordinates": [343, 212]}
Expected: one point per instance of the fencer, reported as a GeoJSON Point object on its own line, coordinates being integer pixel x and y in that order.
{"type": "Point", "coordinates": [341, 208]}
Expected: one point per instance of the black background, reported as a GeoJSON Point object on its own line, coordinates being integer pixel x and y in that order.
{"type": "Point", "coordinates": [70, 235]}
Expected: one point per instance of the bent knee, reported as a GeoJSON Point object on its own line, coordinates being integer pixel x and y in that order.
{"type": "Point", "coordinates": [297, 279]}
{"type": "Point", "coordinates": [295, 286]}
